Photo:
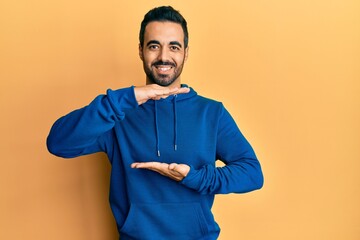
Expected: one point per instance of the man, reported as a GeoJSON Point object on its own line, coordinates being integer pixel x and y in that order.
{"type": "Point", "coordinates": [162, 140]}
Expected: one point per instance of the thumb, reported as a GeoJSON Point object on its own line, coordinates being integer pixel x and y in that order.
{"type": "Point", "coordinates": [173, 166]}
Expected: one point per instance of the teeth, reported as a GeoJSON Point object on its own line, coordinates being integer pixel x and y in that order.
{"type": "Point", "coordinates": [164, 68]}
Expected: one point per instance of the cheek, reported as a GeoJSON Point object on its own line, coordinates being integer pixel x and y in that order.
{"type": "Point", "coordinates": [148, 59]}
{"type": "Point", "coordinates": [180, 60]}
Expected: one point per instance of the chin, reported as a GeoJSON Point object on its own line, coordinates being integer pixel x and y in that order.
{"type": "Point", "coordinates": [164, 83]}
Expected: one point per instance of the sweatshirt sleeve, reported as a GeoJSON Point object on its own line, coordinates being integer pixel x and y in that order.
{"type": "Point", "coordinates": [77, 133]}
{"type": "Point", "coordinates": [242, 171]}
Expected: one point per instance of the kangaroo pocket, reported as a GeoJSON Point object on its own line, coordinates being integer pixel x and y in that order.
{"type": "Point", "coordinates": [184, 221]}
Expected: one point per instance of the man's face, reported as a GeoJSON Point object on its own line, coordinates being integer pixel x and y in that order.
{"type": "Point", "coordinates": [163, 53]}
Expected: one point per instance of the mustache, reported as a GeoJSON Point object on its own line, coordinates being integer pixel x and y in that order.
{"type": "Point", "coordinates": [162, 63]}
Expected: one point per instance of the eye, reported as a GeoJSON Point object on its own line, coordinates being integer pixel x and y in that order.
{"type": "Point", "coordinates": [174, 48]}
{"type": "Point", "coordinates": [153, 47]}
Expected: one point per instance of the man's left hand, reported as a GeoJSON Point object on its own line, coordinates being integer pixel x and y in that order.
{"type": "Point", "coordinates": [174, 171]}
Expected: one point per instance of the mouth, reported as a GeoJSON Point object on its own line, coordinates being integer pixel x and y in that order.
{"type": "Point", "coordinates": [163, 69]}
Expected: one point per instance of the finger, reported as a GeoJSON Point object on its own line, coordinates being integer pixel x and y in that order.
{"type": "Point", "coordinates": [133, 165]}
{"type": "Point", "coordinates": [165, 91]}
{"type": "Point", "coordinates": [161, 168]}
{"type": "Point", "coordinates": [150, 165]}
{"type": "Point", "coordinates": [156, 98]}
{"type": "Point", "coordinates": [177, 90]}
{"type": "Point", "coordinates": [174, 171]}
{"type": "Point", "coordinates": [138, 165]}
{"type": "Point", "coordinates": [181, 169]}
{"type": "Point", "coordinates": [172, 166]}
{"type": "Point", "coordinates": [183, 90]}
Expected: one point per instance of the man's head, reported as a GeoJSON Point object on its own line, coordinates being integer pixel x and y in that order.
{"type": "Point", "coordinates": [163, 46]}
{"type": "Point", "coordinates": [164, 14]}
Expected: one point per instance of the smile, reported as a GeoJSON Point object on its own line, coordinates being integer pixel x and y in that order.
{"type": "Point", "coordinates": [163, 68]}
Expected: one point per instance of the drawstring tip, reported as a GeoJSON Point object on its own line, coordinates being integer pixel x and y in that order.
{"type": "Point", "coordinates": [175, 147]}
{"type": "Point", "coordinates": [158, 153]}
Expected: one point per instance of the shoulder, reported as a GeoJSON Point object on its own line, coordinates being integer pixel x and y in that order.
{"type": "Point", "coordinates": [205, 106]}
{"type": "Point", "coordinates": [205, 101]}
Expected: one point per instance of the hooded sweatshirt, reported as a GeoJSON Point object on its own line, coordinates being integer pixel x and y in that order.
{"type": "Point", "coordinates": [184, 128]}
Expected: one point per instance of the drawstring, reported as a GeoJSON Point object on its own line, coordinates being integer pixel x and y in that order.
{"type": "Point", "coordinates": [157, 131]}
{"type": "Point", "coordinates": [175, 124]}
{"type": "Point", "coordinates": [157, 128]}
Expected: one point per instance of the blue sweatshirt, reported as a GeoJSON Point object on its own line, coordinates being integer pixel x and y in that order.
{"type": "Point", "coordinates": [184, 128]}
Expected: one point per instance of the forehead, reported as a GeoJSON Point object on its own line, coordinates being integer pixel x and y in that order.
{"type": "Point", "coordinates": [163, 31]}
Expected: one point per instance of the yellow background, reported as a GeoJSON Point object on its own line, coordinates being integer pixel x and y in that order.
{"type": "Point", "coordinates": [288, 71]}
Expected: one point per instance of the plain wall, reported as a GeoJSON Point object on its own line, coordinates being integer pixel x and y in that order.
{"type": "Point", "coordinates": [288, 71]}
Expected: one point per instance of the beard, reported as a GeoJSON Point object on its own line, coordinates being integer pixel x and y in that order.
{"type": "Point", "coordinates": [163, 79]}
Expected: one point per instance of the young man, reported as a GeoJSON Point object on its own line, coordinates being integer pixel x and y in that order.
{"type": "Point", "coordinates": [162, 140]}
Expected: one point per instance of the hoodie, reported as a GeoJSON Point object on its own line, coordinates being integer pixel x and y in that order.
{"type": "Point", "coordinates": [184, 128]}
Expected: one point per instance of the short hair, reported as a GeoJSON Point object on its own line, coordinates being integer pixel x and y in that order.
{"type": "Point", "coordinates": [164, 14]}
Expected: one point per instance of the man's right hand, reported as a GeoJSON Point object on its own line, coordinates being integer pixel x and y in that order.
{"type": "Point", "coordinates": [156, 92]}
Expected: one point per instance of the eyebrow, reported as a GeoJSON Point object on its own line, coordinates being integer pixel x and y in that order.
{"type": "Point", "coordinates": [176, 43]}
{"type": "Point", "coordinates": [152, 42]}
{"type": "Point", "coordinates": [157, 42]}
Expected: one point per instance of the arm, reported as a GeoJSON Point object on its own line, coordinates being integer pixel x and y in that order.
{"type": "Point", "coordinates": [242, 172]}
{"type": "Point", "coordinates": [78, 132]}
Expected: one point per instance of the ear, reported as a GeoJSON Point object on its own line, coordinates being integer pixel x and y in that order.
{"type": "Point", "coordinates": [186, 52]}
{"type": "Point", "coordinates": [141, 52]}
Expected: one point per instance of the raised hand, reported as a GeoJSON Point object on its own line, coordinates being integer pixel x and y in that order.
{"type": "Point", "coordinates": [156, 92]}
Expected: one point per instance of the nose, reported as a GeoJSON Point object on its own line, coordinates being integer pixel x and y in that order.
{"type": "Point", "coordinates": [164, 54]}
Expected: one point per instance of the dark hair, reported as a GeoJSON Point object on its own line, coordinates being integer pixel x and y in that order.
{"type": "Point", "coordinates": [164, 14]}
